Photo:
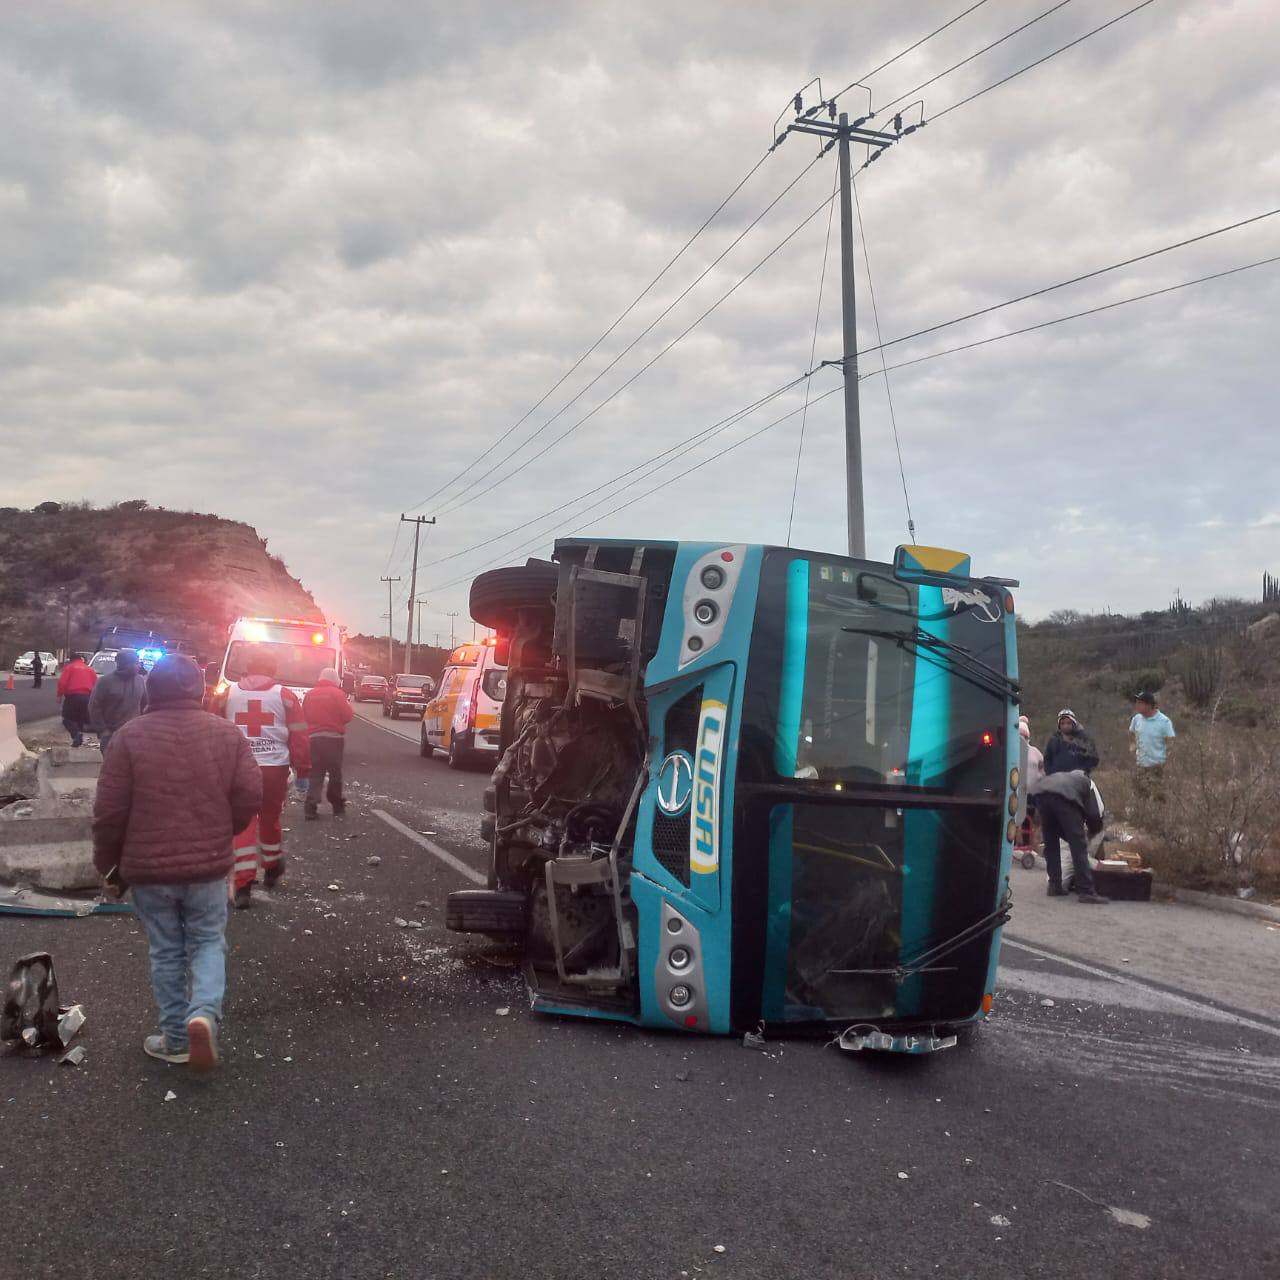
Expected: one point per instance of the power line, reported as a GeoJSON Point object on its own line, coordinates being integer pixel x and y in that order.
{"type": "Point", "coordinates": [911, 48]}
{"type": "Point", "coordinates": [1014, 333]}
{"type": "Point", "coordinates": [587, 353]}
{"type": "Point", "coordinates": [690, 442]}
{"type": "Point", "coordinates": [875, 312]}
{"type": "Point", "coordinates": [541, 537]}
{"type": "Point", "coordinates": [1041, 61]}
{"type": "Point", "coordinates": [457, 498]}
{"type": "Point", "coordinates": [964, 61]}
{"type": "Point", "coordinates": [1088, 275]}
{"type": "Point", "coordinates": [654, 360]}
{"type": "Point", "coordinates": [1061, 319]}
{"type": "Point", "coordinates": [813, 351]}
{"type": "Point", "coordinates": [683, 445]}
{"type": "Point", "coordinates": [1078, 315]}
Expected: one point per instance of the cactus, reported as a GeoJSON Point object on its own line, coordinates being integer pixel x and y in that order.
{"type": "Point", "coordinates": [1178, 607]}
{"type": "Point", "coordinates": [1201, 672]}
{"type": "Point", "coordinates": [1270, 588]}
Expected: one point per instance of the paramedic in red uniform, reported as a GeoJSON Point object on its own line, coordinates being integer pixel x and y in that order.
{"type": "Point", "coordinates": [270, 717]}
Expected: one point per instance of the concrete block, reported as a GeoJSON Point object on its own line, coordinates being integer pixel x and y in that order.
{"type": "Point", "coordinates": [57, 865]}
{"type": "Point", "coordinates": [11, 748]}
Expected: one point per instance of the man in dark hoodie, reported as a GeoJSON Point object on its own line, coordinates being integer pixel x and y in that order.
{"type": "Point", "coordinates": [176, 787]}
{"type": "Point", "coordinates": [118, 697]}
{"type": "Point", "coordinates": [1071, 747]}
{"type": "Point", "coordinates": [1068, 808]}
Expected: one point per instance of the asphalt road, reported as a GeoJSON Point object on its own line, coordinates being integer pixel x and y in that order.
{"type": "Point", "coordinates": [31, 704]}
{"type": "Point", "coordinates": [389, 1107]}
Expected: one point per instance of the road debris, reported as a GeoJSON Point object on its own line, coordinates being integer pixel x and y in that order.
{"type": "Point", "coordinates": [1046, 1003]}
{"type": "Point", "coordinates": [373, 860]}
{"type": "Point", "coordinates": [70, 1020]}
{"type": "Point", "coordinates": [754, 1039]}
{"type": "Point", "coordinates": [902, 1177]}
{"type": "Point", "coordinates": [502, 1013]}
{"type": "Point", "coordinates": [72, 1057]}
{"type": "Point", "coordinates": [334, 888]}
{"type": "Point", "coordinates": [719, 1248]}
{"type": "Point", "coordinates": [171, 1096]}
{"type": "Point", "coordinates": [999, 1220]}
{"type": "Point", "coordinates": [31, 1013]}
{"type": "Point", "coordinates": [400, 922]}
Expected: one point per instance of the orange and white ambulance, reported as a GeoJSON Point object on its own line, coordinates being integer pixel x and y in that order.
{"type": "Point", "coordinates": [463, 718]}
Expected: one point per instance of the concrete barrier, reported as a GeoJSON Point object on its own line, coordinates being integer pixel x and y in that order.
{"type": "Point", "coordinates": [11, 748]}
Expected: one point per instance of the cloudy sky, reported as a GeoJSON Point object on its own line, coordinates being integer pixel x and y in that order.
{"type": "Point", "coordinates": [301, 264]}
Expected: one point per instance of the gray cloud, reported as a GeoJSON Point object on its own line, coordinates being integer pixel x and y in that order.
{"type": "Point", "coordinates": [299, 264]}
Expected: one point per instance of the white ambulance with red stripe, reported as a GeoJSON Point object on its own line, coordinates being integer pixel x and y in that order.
{"type": "Point", "coordinates": [302, 649]}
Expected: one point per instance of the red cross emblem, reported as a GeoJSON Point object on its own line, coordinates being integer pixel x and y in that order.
{"type": "Point", "coordinates": [254, 720]}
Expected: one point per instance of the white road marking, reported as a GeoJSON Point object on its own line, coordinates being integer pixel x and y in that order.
{"type": "Point", "coordinates": [1202, 1007]}
{"type": "Point", "coordinates": [431, 847]}
{"type": "Point", "coordinates": [402, 734]}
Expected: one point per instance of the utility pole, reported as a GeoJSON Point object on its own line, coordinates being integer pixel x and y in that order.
{"type": "Point", "coordinates": [421, 600]}
{"type": "Point", "coordinates": [839, 131]}
{"type": "Point", "coordinates": [857, 525]}
{"type": "Point", "coordinates": [391, 658]}
{"type": "Point", "coordinates": [452, 641]}
{"type": "Point", "coordinates": [417, 522]}
{"type": "Point", "coordinates": [66, 652]}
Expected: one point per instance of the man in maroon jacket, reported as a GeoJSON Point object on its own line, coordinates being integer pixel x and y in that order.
{"type": "Point", "coordinates": [177, 785]}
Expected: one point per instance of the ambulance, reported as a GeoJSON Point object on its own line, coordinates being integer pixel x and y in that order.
{"type": "Point", "coordinates": [302, 650]}
{"type": "Point", "coordinates": [464, 717]}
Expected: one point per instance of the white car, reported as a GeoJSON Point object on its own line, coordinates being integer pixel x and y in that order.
{"type": "Point", "coordinates": [22, 665]}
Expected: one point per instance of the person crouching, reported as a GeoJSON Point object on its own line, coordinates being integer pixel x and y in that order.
{"type": "Point", "coordinates": [175, 789]}
{"type": "Point", "coordinates": [328, 713]}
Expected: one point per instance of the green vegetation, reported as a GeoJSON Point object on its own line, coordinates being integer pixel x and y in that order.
{"type": "Point", "coordinates": [1215, 823]}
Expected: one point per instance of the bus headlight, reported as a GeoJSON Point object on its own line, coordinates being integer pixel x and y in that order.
{"type": "Point", "coordinates": [705, 613]}
{"type": "Point", "coordinates": [680, 995]}
{"type": "Point", "coordinates": [1011, 831]}
{"type": "Point", "coordinates": [1013, 803]}
{"type": "Point", "coordinates": [679, 957]}
{"type": "Point", "coordinates": [1014, 777]}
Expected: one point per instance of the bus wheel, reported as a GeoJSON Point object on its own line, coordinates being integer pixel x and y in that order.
{"type": "Point", "coordinates": [498, 596]}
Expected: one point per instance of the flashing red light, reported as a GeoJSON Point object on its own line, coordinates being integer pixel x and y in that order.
{"type": "Point", "coordinates": [317, 637]}
{"type": "Point", "coordinates": [691, 1020]}
{"type": "Point", "coordinates": [727, 557]}
{"type": "Point", "coordinates": [988, 739]}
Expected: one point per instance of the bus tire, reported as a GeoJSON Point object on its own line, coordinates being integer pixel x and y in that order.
{"type": "Point", "coordinates": [498, 596]}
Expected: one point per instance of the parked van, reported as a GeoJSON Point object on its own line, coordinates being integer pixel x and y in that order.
{"type": "Point", "coordinates": [463, 718]}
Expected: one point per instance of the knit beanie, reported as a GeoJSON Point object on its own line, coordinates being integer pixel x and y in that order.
{"type": "Point", "coordinates": [174, 678]}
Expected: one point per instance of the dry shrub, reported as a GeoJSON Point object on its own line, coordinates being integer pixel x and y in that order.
{"type": "Point", "coordinates": [1215, 815]}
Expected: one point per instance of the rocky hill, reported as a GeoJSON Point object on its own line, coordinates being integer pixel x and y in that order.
{"type": "Point", "coordinates": [179, 573]}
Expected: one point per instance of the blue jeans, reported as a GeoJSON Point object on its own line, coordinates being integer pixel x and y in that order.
{"type": "Point", "coordinates": [186, 926]}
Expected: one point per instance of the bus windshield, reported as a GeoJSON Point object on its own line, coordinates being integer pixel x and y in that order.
{"type": "Point", "coordinates": [879, 683]}
{"type": "Point", "coordinates": [296, 664]}
{"type": "Point", "coordinates": [874, 753]}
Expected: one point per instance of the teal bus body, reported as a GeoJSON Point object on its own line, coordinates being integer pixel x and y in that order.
{"type": "Point", "coordinates": [822, 828]}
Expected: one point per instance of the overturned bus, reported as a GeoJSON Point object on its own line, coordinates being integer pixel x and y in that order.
{"type": "Point", "coordinates": [748, 784]}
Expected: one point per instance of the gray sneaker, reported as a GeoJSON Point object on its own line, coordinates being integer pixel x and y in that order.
{"type": "Point", "coordinates": [157, 1047]}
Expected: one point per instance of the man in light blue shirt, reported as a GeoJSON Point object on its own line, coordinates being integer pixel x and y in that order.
{"type": "Point", "coordinates": [1150, 731]}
